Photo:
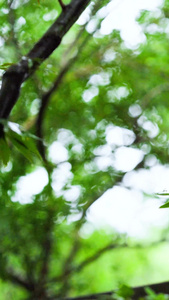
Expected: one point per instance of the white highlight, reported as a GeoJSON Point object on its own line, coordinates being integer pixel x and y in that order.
{"type": "Point", "coordinates": [29, 185]}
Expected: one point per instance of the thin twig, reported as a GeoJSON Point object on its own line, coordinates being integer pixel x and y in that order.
{"type": "Point", "coordinates": [87, 261]}
{"type": "Point", "coordinates": [12, 21]}
{"type": "Point", "coordinates": [47, 96]}
{"type": "Point", "coordinates": [63, 6]}
{"type": "Point", "coordinates": [46, 249]}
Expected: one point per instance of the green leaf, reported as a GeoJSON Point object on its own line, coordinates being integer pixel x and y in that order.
{"type": "Point", "coordinates": [153, 296]}
{"type": "Point", "coordinates": [125, 291]}
{"type": "Point", "coordinates": [149, 291]}
{"type": "Point", "coordinates": [5, 66]}
{"type": "Point", "coordinates": [166, 205]}
{"type": "Point", "coordinates": [4, 151]}
{"type": "Point", "coordinates": [25, 144]}
{"type": "Point", "coordinates": [163, 194]}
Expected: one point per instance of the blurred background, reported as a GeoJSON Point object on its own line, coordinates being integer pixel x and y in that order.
{"type": "Point", "coordinates": [97, 112]}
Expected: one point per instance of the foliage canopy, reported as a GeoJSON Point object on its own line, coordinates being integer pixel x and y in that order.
{"type": "Point", "coordinates": [61, 127]}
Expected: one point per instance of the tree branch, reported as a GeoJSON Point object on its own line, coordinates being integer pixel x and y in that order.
{"type": "Point", "coordinates": [46, 249]}
{"type": "Point", "coordinates": [138, 292]}
{"type": "Point", "coordinates": [16, 279]}
{"type": "Point", "coordinates": [44, 102]}
{"type": "Point", "coordinates": [64, 70]}
{"type": "Point", "coordinates": [12, 22]}
{"type": "Point", "coordinates": [87, 261]}
{"type": "Point", "coordinates": [18, 73]}
{"type": "Point", "coordinates": [63, 6]}
{"type": "Point", "coordinates": [46, 97]}
{"type": "Point", "coordinates": [95, 256]}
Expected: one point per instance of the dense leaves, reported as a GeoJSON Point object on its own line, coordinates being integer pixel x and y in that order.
{"type": "Point", "coordinates": [61, 132]}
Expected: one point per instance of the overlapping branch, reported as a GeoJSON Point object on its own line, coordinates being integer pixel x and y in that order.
{"type": "Point", "coordinates": [18, 73]}
{"type": "Point", "coordinates": [63, 71]}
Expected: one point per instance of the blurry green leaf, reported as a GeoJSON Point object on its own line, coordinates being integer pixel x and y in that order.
{"type": "Point", "coordinates": [125, 291]}
{"type": "Point", "coordinates": [166, 205]}
{"type": "Point", "coordinates": [149, 291]}
{"type": "Point", "coordinates": [151, 295]}
{"type": "Point", "coordinates": [5, 66]}
{"type": "Point", "coordinates": [4, 151]}
{"type": "Point", "coordinates": [8, 125]}
{"type": "Point", "coordinates": [163, 194]}
{"type": "Point", "coordinates": [24, 143]}
{"type": "Point", "coordinates": [4, 121]}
